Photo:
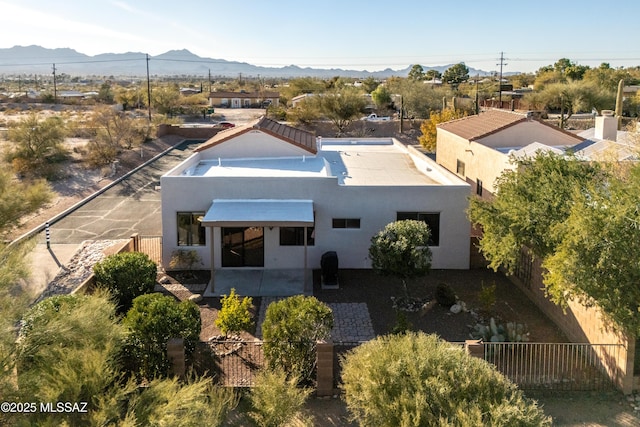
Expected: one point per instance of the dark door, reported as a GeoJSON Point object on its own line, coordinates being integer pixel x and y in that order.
{"type": "Point", "coordinates": [243, 247]}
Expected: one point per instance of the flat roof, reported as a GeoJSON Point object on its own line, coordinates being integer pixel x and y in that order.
{"type": "Point", "coordinates": [376, 162]}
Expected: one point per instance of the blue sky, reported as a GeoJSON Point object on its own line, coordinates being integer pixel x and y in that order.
{"type": "Point", "coordinates": [360, 35]}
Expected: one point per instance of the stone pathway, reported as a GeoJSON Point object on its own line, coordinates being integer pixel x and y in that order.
{"type": "Point", "coordinates": [351, 321]}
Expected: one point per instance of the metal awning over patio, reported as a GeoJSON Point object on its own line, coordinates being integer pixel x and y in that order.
{"type": "Point", "coordinates": [259, 212]}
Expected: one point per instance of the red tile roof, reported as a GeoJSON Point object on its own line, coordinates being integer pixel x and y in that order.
{"type": "Point", "coordinates": [483, 124]}
{"type": "Point", "coordinates": [300, 138]}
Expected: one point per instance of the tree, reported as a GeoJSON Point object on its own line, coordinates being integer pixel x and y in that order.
{"type": "Point", "coordinates": [429, 136]}
{"type": "Point", "coordinates": [381, 96]}
{"type": "Point", "coordinates": [401, 249]}
{"type": "Point", "coordinates": [114, 130]}
{"type": "Point", "coordinates": [234, 315]}
{"type": "Point", "coordinates": [37, 145]}
{"type": "Point", "coordinates": [166, 99]}
{"type": "Point", "coordinates": [416, 72]}
{"type": "Point", "coordinates": [596, 260]}
{"type": "Point", "coordinates": [151, 322]}
{"type": "Point", "coordinates": [341, 106]}
{"type": "Point", "coordinates": [456, 74]}
{"type": "Point", "coordinates": [531, 202]}
{"type": "Point", "coordinates": [569, 98]}
{"type": "Point", "coordinates": [126, 275]}
{"type": "Point", "coordinates": [105, 94]}
{"type": "Point", "coordinates": [432, 74]}
{"type": "Point", "coordinates": [418, 98]}
{"type": "Point", "coordinates": [370, 84]}
{"type": "Point", "coordinates": [291, 329]}
{"type": "Point", "coordinates": [416, 379]}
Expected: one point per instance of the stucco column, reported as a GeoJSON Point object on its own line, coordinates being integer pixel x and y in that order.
{"type": "Point", "coordinates": [212, 245]}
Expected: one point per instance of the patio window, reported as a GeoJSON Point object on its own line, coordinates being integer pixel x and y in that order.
{"type": "Point", "coordinates": [294, 236]}
{"type": "Point", "coordinates": [190, 230]}
{"type": "Point", "coordinates": [432, 219]}
{"type": "Point", "coordinates": [346, 222]}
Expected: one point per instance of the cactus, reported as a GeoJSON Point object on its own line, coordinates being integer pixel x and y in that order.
{"type": "Point", "coordinates": [512, 332]}
{"type": "Point", "coordinates": [619, 103]}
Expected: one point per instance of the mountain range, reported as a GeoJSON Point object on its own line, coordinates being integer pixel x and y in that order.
{"type": "Point", "coordinates": [39, 60]}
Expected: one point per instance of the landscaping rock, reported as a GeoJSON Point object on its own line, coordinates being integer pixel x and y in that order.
{"type": "Point", "coordinates": [195, 298]}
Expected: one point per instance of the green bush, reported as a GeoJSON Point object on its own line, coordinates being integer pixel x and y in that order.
{"type": "Point", "coordinates": [415, 379]}
{"type": "Point", "coordinates": [277, 401]}
{"type": "Point", "coordinates": [401, 249]}
{"type": "Point", "coordinates": [126, 275]}
{"type": "Point", "coordinates": [234, 316]}
{"type": "Point", "coordinates": [291, 329]}
{"type": "Point", "coordinates": [151, 322]}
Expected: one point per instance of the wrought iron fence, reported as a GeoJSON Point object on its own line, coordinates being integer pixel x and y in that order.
{"type": "Point", "coordinates": [235, 363]}
{"type": "Point", "coordinates": [557, 366]}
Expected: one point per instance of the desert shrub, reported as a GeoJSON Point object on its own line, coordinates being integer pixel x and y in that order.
{"type": "Point", "coordinates": [487, 297]}
{"type": "Point", "coordinates": [126, 275]}
{"type": "Point", "coordinates": [445, 295]}
{"type": "Point", "coordinates": [291, 329]}
{"type": "Point", "coordinates": [277, 400]}
{"type": "Point", "coordinates": [184, 259]}
{"type": "Point", "coordinates": [234, 315]}
{"type": "Point", "coordinates": [401, 249]}
{"type": "Point", "coordinates": [151, 322]}
{"type": "Point", "coordinates": [417, 379]}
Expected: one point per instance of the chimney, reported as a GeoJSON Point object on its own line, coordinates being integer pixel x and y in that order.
{"type": "Point", "coordinates": [606, 126]}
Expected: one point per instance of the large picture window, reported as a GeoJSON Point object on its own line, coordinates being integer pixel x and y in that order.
{"type": "Point", "coordinates": [432, 219]}
{"type": "Point", "coordinates": [294, 236]}
{"type": "Point", "coordinates": [190, 230]}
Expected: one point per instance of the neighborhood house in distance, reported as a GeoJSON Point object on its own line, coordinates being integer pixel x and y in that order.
{"type": "Point", "coordinates": [268, 196]}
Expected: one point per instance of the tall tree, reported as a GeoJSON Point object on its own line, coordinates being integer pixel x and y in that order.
{"type": "Point", "coordinates": [416, 72]}
{"type": "Point", "coordinates": [341, 106]}
{"type": "Point", "coordinates": [456, 74]}
{"type": "Point", "coordinates": [432, 74]}
{"type": "Point", "coordinates": [596, 261]}
{"type": "Point", "coordinates": [531, 202]}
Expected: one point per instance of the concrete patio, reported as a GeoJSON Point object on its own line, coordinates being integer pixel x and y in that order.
{"type": "Point", "coordinates": [261, 282]}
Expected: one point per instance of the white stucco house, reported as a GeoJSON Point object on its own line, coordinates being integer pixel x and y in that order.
{"type": "Point", "coordinates": [269, 196]}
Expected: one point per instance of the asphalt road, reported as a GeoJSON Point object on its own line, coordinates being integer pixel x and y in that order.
{"type": "Point", "coordinates": [131, 206]}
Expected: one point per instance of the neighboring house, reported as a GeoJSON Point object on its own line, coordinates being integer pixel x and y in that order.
{"type": "Point", "coordinates": [269, 196]}
{"type": "Point", "coordinates": [605, 142]}
{"type": "Point", "coordinates": [244, 99]}
{"type": "Point", "coordinates": [297, 100]}
{"type": "Point", "coordinates": [478, 148]}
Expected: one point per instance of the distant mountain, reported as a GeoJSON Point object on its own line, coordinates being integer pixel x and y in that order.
{"type": "Point", "coordinates": [39, 60]}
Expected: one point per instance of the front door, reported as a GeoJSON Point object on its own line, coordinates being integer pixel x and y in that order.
{"type": "Point", "coordinates": [243, 247]}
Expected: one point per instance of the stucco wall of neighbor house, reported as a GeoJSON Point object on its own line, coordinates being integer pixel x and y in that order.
{"type": "Point", "coordinates": [584, 324]}
{"type": "Point", "coordinates": [524, 133]}
{"type": "Point", "coordinates": [251, 145]}
{"type": "Point", "coordinates": [375, 206]}
{"type": "Point", "coordinates": [480, 162]}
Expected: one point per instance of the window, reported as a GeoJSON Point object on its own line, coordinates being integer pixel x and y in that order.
{"type": "Point", "coordinates": [294, 236]}
{"type": "Point", "coordinates": [460, 167]}
{"type": "Point", "coordinates": [190, 230]}
{"type": "Point", "coordinates": [430, 218]}
{"type": "Point", "coordinates": [346, 222]}
{"type": "Point", "coordinates": [478, 186]}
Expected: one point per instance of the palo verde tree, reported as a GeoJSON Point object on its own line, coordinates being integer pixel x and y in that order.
{"type": "Point", "coordinates": [37, 145]}
{"type": "Point", "coordinates": [416, 379]}
{"type": "Point", "coordinates": [291, 329]}
{"type": "Point", "coordinates": [341, 106]}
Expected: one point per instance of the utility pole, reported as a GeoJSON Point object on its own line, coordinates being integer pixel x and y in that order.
{"type": "Point", "coordinates": [148, 90]}
{"type": "Point", "coordinates": [500, 82]}
{"type": "Point", "coordinates": [55, 90]}
{"type": "Point", "coordinates": [209, 80]}
{"type": "Point", "coordinates": [477, 97]}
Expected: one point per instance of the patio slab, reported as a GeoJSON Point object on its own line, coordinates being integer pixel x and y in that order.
{"type": "Point", "coordinates": [260, 283]}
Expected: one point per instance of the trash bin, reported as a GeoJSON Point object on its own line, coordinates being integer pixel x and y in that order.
{"type": "Point", "coordinates": [329, 266]}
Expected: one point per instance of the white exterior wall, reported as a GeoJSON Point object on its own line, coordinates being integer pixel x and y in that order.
{"type": "Point", "coordinates": [376, 206]}
{"type": "Point", "coordinates": [525, 133]}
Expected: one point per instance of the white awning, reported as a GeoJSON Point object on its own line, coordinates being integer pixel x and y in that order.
{"type": "Point", "coordinates": [259, 212]}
